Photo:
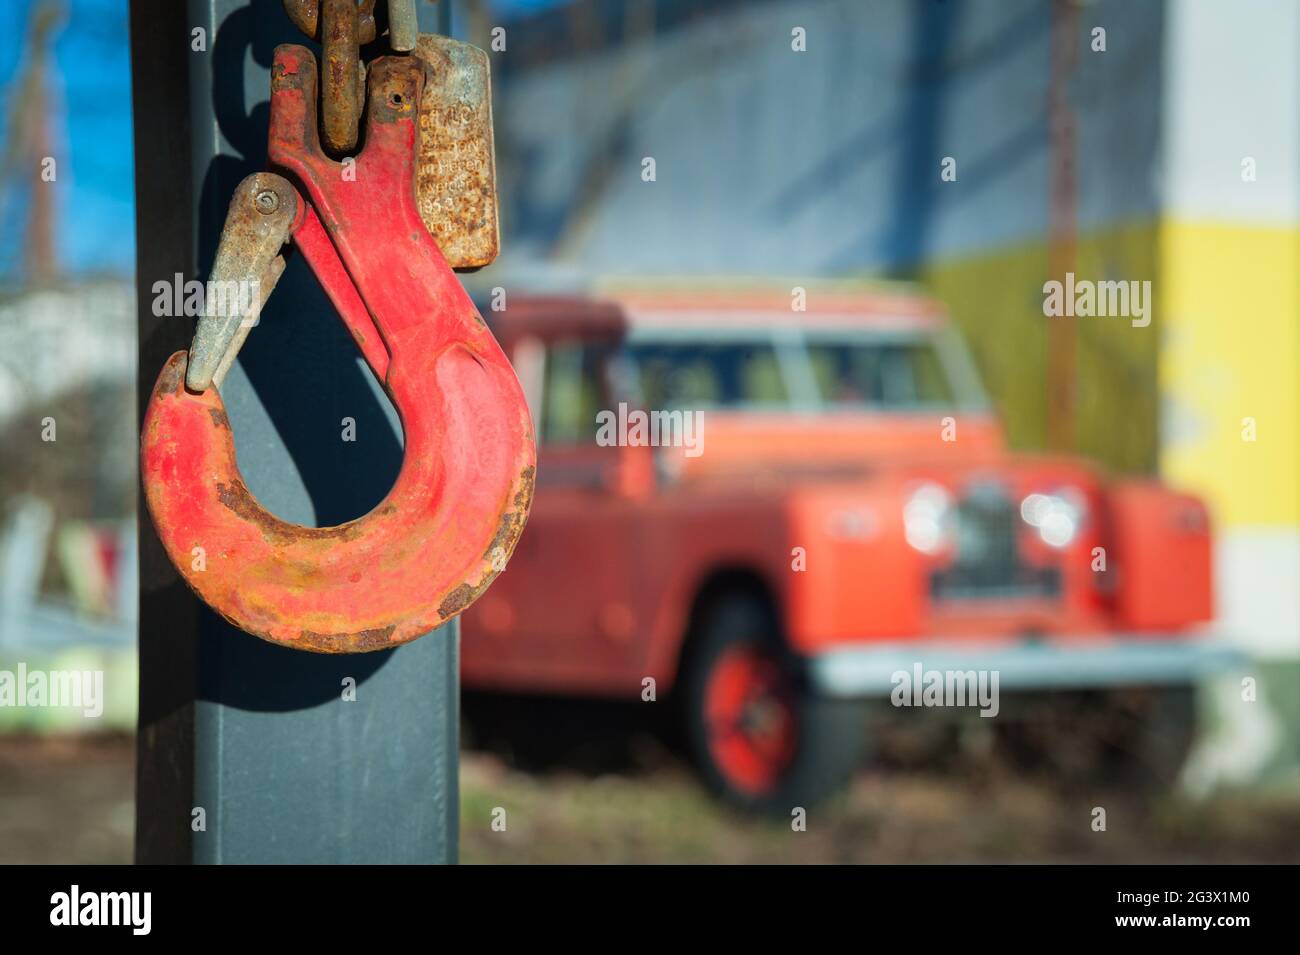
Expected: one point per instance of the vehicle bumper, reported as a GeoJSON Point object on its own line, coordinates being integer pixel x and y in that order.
{"type": "Point", "coordinates": [867, 670]}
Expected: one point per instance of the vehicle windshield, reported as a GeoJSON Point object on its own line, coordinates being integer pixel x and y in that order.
{"type": "Point", "coordinates": [789, 369]}
{"type": "Point", "coordinates": [886, 374]}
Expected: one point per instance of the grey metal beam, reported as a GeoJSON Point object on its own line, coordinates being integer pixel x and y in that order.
{"type": "Point", "coordinates": [262, 738]}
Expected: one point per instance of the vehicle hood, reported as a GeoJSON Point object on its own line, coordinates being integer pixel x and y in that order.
{"type": "Point", "coordinates": [791, 449]}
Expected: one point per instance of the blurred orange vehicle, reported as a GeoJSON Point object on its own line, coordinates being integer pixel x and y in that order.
{"type": "Point", "coordinates": [840, 510]}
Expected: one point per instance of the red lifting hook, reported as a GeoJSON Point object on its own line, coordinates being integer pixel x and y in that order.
{"type": "Point", "coordinates": [444, 531]}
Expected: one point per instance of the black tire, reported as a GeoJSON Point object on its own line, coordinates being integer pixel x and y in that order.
{"type": "Point", "coordinates": [825, 740]}
{"type": "Point", "coordinates": [1135, 738]}
{"type": "Point", "coordinates": [1161, 725]}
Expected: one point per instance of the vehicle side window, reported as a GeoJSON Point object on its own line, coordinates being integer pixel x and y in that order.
{"type": "Point", "coordinates": [573, 392]}
{"type": "Point", "coordinates": [708, 375]}
{"type": "Point", "coordinates": [894, 375]}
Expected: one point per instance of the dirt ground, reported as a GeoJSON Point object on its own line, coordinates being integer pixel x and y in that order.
{"type": "Point", "coordinates": [880, 820]}
{"type": "Point", "coordinates": [66, 799]}
{"type": "Point", "coordinates": [70, 800]}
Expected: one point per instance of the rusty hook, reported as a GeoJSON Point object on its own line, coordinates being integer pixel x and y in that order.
{"type": "Point", "coordinates": [461, 499]}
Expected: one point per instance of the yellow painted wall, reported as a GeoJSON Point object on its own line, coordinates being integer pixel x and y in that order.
{"type": "Point", "coordinates": [997, 300]}
{"type": "Point", "coordinates": [1223, 345]}
{"type": "Point", "coordinates": [1231, 302]}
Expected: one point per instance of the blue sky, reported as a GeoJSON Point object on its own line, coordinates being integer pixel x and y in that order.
{"type": "Point", "coordinates": [92, 132]}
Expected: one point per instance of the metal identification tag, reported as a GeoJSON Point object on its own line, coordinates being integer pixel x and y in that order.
{"type": "Point", "coordinates": [456, 179]}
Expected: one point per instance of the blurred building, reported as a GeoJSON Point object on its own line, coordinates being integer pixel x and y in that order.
{"type": "Point", "coordinates": [67, 351]}
{"type": "Point", "coordinates": [769, 160]}
{"type": "Point", "coordinates": [1229, 359]}
{"type": "Point", "coordinates": [1119, 141]}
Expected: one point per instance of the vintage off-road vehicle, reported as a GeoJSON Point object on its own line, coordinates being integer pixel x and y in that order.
{"type": "Point", "coordinates": [848, 512]}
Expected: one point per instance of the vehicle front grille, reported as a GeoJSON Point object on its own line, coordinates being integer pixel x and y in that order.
{"type": "Point", "coordinates": [987, 564]}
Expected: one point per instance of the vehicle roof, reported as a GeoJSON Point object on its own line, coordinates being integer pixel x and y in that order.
{"type": "Point", "coordinates": [558, 316]}
{"type": "Point", "coordinates": [614, 309]}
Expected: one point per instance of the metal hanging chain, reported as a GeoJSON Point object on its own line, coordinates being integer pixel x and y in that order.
{"type": "Point", "coordinates": [341, 27]}
{"type": "Point", "coordinates": [403, 29]}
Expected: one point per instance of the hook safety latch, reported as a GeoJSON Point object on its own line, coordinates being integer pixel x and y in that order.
{"type": "Point", "coordinates": [461, 499]}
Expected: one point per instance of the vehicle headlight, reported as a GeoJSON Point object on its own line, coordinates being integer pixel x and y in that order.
{"type": "Point", "coordinates": [1057, 516]}
{"type": "Point", "coordinates": [928, 518]}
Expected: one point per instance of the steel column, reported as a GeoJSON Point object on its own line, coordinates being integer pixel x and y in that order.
{"type": "Point", "coordinates": [265, 740]}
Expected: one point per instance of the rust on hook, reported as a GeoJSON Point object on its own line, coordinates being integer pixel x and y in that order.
{"type": "Point", "coordinates": [461, 500]}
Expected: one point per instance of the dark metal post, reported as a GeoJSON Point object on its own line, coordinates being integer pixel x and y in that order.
{"type": "Point", "coordinates": [249, 752]}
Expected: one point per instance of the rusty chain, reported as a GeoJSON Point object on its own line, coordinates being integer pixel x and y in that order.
{"type": "Point", "coordinates": [342, 27]}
